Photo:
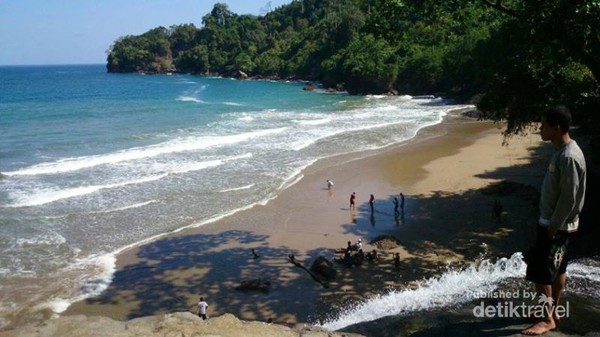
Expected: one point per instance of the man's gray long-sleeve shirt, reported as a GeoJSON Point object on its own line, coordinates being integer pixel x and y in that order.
{"type": "Point", "coordinates": [563, 189]}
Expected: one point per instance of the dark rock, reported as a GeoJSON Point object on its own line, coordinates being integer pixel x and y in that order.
{"type": "Point", "coordinates": [324, 268]}
{"type": "Point", "coordinates": [309, 87]}
{"type": "Point", "coordinates": [240, 75]}
{"type": "Point", "coordinates": [386, 242]}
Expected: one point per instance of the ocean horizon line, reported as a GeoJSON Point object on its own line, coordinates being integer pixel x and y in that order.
{"type": "Point", "coordinates": [51, 64]}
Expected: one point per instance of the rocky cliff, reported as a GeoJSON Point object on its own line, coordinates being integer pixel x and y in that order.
{"type": "Point", "coordinates": [174, 324]}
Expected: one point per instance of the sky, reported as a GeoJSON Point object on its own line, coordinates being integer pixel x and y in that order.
{"type": "Point", "coordinates": [36, 32]}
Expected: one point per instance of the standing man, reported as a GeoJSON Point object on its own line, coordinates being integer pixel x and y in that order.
{"type": "Point", "coordinates": [372, 203]}
{"type": "Point", "coordinates": [402, 202]}
{"type": "Point", "coordinates": [352, 200]}
{"type": "Point", "coordinates": [202, 305]}
{"type": "Point", "coordinates": [561, 201]}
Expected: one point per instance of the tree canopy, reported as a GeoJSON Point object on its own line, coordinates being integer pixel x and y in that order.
{"type": "Point", "coordinates": [511, 57]}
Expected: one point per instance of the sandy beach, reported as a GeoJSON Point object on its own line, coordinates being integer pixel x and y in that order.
{"type": "Point", "coordinates": [451, 174]}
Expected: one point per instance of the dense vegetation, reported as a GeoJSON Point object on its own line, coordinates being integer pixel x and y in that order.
{"type": "Point", "coordinates": [513, 57]}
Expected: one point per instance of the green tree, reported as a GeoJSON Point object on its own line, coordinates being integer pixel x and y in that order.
{"type": "Point", "coordinates": [368, 65]}
{"type": "Point", "coordinates": [149, 52]}
{"type": "Point", "coordinates": [182, 38]}
{"type": "Point", "coordinates": [553, 58]}
{"type": "Point", "coordinates": [195, 60]}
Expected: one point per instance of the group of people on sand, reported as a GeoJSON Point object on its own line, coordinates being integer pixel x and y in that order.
{"type": "Point", "coordinates": [355, 256]}
{"type": "Point", "coordinates": [398, 204]}
{"type": "Point", "coordinates": [353, 202]}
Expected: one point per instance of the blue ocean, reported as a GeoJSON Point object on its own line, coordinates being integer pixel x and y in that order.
{"type": "Point", "coordinates": [93, 163]}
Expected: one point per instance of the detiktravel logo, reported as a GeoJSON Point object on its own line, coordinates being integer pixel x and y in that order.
{"type": "Point", "coordinates": [518, 304]}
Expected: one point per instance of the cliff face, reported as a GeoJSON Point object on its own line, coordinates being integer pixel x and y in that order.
{"type": "Point", "coordinates": [174, 324]}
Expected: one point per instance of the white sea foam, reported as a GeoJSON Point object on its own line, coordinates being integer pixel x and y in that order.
{"type": "Point", "coordinates": [48, 195]}
{"type": "Point", "coordinates": [313, 121]}
{"type": "Point", "coordinates": [583, 271]}
{"type": "Point", "coordinates": [189, 99]}
{"type": "Point", "coordinates": [173, 146]}
{"type": "Point", "coordinates": [124, 208]}
{"type": "Point", "coordinates": [190, 167]}
{"type": "Point", "coordinates": [104, 266]}
{"type": "Point", "coordinates": [49, 238]}
{"type": "Point", "coordinates": [45, 196]}
{"type": "Point", "coordinates": [291, 180]}
{"type": "Point", "coordinates": [317, 136]}
{"type": "Point", "coordinates": [452, 287]}
{"type": "Point", "coordinates": [192, 95]}
{"type": "Point", "coordinates": [237, 188]}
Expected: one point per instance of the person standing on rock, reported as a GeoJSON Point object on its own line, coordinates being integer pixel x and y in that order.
{"type": "Point", "coordinates": [202, 305]}
{"type": "Point", "coordinates": [561, 201]}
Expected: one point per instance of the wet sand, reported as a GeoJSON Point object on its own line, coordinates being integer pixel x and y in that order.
{"type": "Point", "coordinates": [451, 173]}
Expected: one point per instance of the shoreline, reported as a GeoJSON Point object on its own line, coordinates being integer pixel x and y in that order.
{"type": "Point", "coordinates": [305, 220]}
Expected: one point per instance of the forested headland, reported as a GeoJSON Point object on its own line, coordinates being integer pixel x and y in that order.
{"type": "Point", "coordinates": [512, 58]}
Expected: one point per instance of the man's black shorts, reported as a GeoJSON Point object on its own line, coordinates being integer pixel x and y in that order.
{"type": "Point", "coordinates": [548, 258]}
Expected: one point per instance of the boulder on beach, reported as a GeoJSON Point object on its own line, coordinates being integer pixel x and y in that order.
{"type": "Point", "coordinates": [386, 242]}
{"type": "Point", "coordinates": [324, 268]}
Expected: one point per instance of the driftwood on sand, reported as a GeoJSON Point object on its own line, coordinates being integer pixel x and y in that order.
{"type": "Point", "coordinates": [292, 259]}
